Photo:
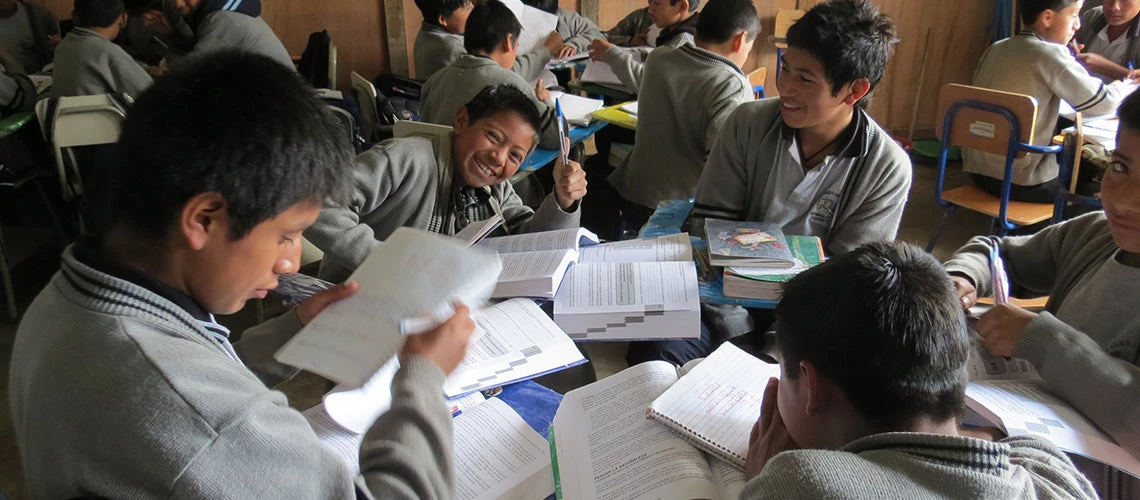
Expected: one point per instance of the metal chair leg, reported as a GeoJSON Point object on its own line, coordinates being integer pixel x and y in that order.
{"type": "Point", "coordinates": [9, 290]}
{"type": "Point", "coordinates": [946, 216]}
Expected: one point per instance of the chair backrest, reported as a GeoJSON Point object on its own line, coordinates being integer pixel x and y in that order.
{"type": "Point", "coordinates": [982, 130]}
{"type": "Point", "coordinates": [366, 96]}
{"type": "Point", "coordinates": [332, 66]}
{"type": "Point", "coordinates": [756, 79]}
{"type": "Point", "coordinates": [82, 121]}
{"type": "Point", "coordinates": [784, 20]}
{"type": "Point", "coordinates": [440, 136]}
{"type": "Point", "coordinates": [334, 100]}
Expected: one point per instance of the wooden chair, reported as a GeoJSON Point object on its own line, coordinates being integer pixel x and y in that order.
{"type": "Point", "coordinates": [756, 79]}
{"type": "Point", "coordinates": [989, 121]}
{"type": "Point", "coordinates": [784, 20]}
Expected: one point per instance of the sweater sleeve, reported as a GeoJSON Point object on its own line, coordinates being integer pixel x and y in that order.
{"type": "Point", "coordinates": [339, 230]}
{"type": "Point", "coordinates": [577, 31]}
{"type": "Point", "coordinates": [722, 192]}
{"type": "Point", "coordinates": [407, 452]}
{"type": "Point", "coordinates": [625, 30]}
{"type": "Point", "coordinates": [627, 64]}
{"type": "Point", "coordinates": [259, 343]}
{"type": "Point", "coordinates": [879, 214]}
{"type": "Point", "coordinates": [1084, 92]}
{"type": "Point", "coordinates": [721, 106]}
{"type": "Point", "coordinates": [530, 65]}
{"type": "Point", "coordinates": [549, 216]}
{"type": "Point", "coordinates": [1053, 474]}
{"type": "Point", "coordinates": [1077, 369]}
{"type": "Point", "coordinates": [129, 77]}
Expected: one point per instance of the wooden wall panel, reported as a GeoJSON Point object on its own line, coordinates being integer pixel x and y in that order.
{"type": "Point", "coordinates": [356, 27]}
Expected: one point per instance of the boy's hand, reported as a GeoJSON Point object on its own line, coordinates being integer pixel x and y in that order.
{"type": "Point", "coordinates": [1074, 47]}
{"type": "Point", "coordinates": [158, 21]}
{"type": "Point", "coordinates": [569, 181]}
{"type": "Point", "coordinates": [598, 49]}
{"type": "Point", "coordinates": [540, 91]}
{"type": "Point", "coordinates": [1002, 327]}
{"type": "Point", "coordinates": [446, 345]}
{"type": "Point", "coordinates": [566, 51]}
{"type": "Point", "coordinates": [1096, 63]}
{"type": "Point", "coordinates": [769, 435]}
{"type": "Point", "coordinates": [54, 40]}
{"type": "Point", "coordinates": [553, 42]}
{"type": "Point", "coordinates": [313, 306]}
{"type": "Point", "coordinates": [967, 293]}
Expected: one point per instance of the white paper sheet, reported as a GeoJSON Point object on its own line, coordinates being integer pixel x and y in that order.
{"type": "Point", "coordinates": [530, 265]}
{"type": "Point", "coordinates": [600, 72]}
{"type": "Point", "coordinates": [536, 24]}
{"type": "Point", "coordinates": [670, 248]}
{"type": "Point", "coordinates": [578, 110]}
{"type": "Point", "coordinates": [412, 272]}
{"type": "Point", "coordinates": [344, 443]}
{"type": "Point", "coordinates": [497, 455]}
{"type": "Point", "coordinates": [546, 240]}
{"type": "Point", "coordinates": [599, 287]}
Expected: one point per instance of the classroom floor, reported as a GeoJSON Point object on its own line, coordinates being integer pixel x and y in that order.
{"type": "Point", "coordinates": [38, 259]}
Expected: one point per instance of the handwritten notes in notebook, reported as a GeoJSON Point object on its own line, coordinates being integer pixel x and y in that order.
{"type": "Point", "coordinates": [716, 404]}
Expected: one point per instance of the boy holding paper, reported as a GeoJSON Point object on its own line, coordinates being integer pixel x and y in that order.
{"type": "Point", "coordinates": [492, 43]}
{"type": "Point", "coordinates": [678, 22]}
{"type": "Point", "coordinates": [872, 388]}
{"type": "Point", "coordinates": [122, 383]}
{"type": "Point", "coordinates": [1085, 343]}
{"type": "Point", "coordinates": [407, 182]}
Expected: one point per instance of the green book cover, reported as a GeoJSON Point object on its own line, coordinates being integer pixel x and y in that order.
{"type": "Point", "coordinates": [554, 463]}
{"type": "Point", "coordinates": [806, 248]}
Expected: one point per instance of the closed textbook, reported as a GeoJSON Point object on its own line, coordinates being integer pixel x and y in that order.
{"type": "Point", "coordinates": [747, 244]}
{"type": "Point", "coordinates": [767, 283]}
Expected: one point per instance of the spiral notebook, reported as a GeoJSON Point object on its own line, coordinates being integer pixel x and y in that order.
{"type": "Point", "coordinates": [715, 405]}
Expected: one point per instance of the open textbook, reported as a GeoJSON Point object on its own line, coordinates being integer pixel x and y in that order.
{"type": "Point", "coordinates": [578, 110]}
{"type": "Point", "coordinates": [604, 446]}
{"type": "Point", "coordinates": [534, 263]}
{"type": "Point", "coordinates": [514, 341]}
{"type": "Point", "coordinates": [496, 454]}
{"type": "Point", "coordinates": [411, 273]}
{"type": "Point", "coordinates": [1010, 394]}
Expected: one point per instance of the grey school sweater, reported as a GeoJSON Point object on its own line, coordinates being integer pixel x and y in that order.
{"type": "Point", "coordinates": [454, 86]}
{"type": "Point", "coordinates": [628, 63]}
{"type": "Point", "coordinates": [435, 49]}
{"type": "Point", "coordinates": [402, 182]}
{"type": "Point", "coordinates": [117, 392]}
{"type": "Point", "coordinates": [631, 30]}
{"type": "Point", "coordinates": [684, 102]}
{"type": "Point", "coordinates": [88, 64]}
{"type": "Point", "coordinates": [1094, 367]}
{"type": "Point", "coordinates": [914, 465]}
{"type": "Point", "coordinates": [1027, 64]}
{"type": "Point", "coordinates": [234, 30]}
{"type": "Point", "coordinates": [576, 30]}
{"type": "Point", "coordinates": [17, 92]}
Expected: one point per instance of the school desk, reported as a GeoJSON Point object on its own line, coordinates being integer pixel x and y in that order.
{"type": "Point", "coordinates": [542, 157]}
{"type": "Point", "coordinates": [609, 94]}
{"type": "Point", "coordinates": [617, 116]}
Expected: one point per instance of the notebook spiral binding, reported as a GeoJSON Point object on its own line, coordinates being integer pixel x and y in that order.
{"type": "Point", "coordinates": [697, 439]}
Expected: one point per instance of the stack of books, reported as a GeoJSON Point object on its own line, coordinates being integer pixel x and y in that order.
{"type": "Point", "coordinates": [758, 258]}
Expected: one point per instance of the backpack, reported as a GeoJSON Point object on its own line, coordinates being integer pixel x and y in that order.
{"type": "Point", "coordinates": [314, 64]}
{"type": "Point", "coordinates": [398, 98]}
{"type": "Point", "coordinates": [347, 112]}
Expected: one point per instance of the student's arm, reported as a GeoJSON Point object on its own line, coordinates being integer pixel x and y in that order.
{"type": "Point", "coordinates": [625, 30]}
{"type": "Point", "coordinates": [129, 77]}
{"type": "Point", "coordinates": [877, 218]}
{"type": "Point", "coordinates": [548, 136]}
{"type": "Point", "coordinates": [339, 231]}
{"type": "Point", "coordinates": [579, 30]}
{"type": "Point", "coordinates": [723, 191]}
{"type": "Point", "coordinates": [521, 219]}
{"type": "Point", "coordinates": [530, 65]}
{"type": "Point", "coordinates": [627, 64]}
{"type": "Point", "coordinates": [1085, 93]}
{"type": "Point", "coordinates": [721, 105]}
{"type": "Point", "coordinates": [17, 91]}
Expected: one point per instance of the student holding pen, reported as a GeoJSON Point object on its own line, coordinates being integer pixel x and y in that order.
{"type": "Point", "coordinates": [1108, 41]}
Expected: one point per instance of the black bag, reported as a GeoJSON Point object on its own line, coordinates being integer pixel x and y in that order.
{"type": "Point", "coordinates": [314, 64]}
{"type": "Point", "coordinates": [347, 111]}
{"type": "Point", "coordinates": [398, 98]}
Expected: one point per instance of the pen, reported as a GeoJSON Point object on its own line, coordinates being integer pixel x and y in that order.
{"type": "Point", "coordinates": [997, 273]}
{"type": "Point", "coordinates": [563, 153]}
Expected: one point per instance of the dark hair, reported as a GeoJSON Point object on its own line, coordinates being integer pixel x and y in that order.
{"type": "Point", "coordinates": [435, 9]}
{"type": "Point", "coordinates": [723, 19]}
{"type": "Point", "coordinates": [234, 123]}
{"type": "Point", "coordinates": [495, 99]}
{"type": "Point", "coordinates": [884, 324]}
{"type": "Point", "coordinates": [97, 13]}
{"type": "Point", "coordinates": [850, 38]}
{"type": "Point", "coordinates": [1129, 111]}
{"type": "Point", "coordinates": [1029, 10]}
{"type": "Point", "coordinates": [550, 6]}
{"type": "Point", "coordinates": [488, 25]}
{"type": "Point", "coordinates": [693, 4]}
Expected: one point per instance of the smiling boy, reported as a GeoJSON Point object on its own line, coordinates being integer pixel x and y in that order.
{"type": "Point", "coordinates": [1109, 38]}
{"type": "Point", "coordinates": [811, 161]}
{"type": "Point", "coordinates": [122, 383]}
{"type": "Point", "coordinates": [406, 182]}
{"type": "Point", "coordinates": [1086, 344]}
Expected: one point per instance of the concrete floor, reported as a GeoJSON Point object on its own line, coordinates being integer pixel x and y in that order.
{"type": "Point", "coordinates": [922, 213]}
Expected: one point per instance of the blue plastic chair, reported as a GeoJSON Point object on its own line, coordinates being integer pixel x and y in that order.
{"type": "Point", "coordinates": [989, 121]}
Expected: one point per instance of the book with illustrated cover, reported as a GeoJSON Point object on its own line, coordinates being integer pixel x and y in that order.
{"type": "Point", "coordinates": [747, 244]}
{"type": "Point", "coordinates": [767, 283]}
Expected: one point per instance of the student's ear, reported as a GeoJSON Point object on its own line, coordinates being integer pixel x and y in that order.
{"type": "Point", "coordinates": [858, 90]}
{"type": "Point", "coordinates": [442, 21]}
{"type": "Point", "coordinates": [461, 119]}
{"type": "Point", "coordinates": [819, 389]}
{"type": "Point", "coordinates": [508, 43]}
{"type": "Point", "coordinates": [739, 41]}
{"type": "Point", "coordinates": [684, 5]}
{"type": "Point", "coordinates": [203, 218]}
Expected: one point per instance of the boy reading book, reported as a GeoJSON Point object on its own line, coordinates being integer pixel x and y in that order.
{"type": "Point", "coordinates": [407, 182]}
{"type": "Point", "coordinates": [1037, 63]}
{"type": "Point", "coordinates": [678, 22]}
{"type": "Point", "coordinates": [575, 29]}
{"type": "Point", "coordinates": [492, 43]}
{"type": "Point", "coordinates": [812, 160]}
{"type": "Point", "coordinates": [124, 385]}
{"type": "Point", "coordinates": [440, 40]}
{"type": "Point", "coordinates": [87, 62]}
{"type": "Point", "coordinates": [687, 95]}
{"type": "Point", "coordinates": [871, 390]}
{"type": "Point", "coordinates": [1085, 342]}
{"type": "Point", "coordinates": [218, 25]}
{"type": "Point", "coordinates": [1109, 39]}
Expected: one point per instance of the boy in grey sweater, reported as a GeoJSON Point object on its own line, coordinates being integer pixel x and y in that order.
{"type": "Point", "coordinates": [871, 390]}
{"type": "Point", "coordinates": [219, 25]}
{"type": "Point", "coordinates": [17, 92]}
{"type": "Point", "coordinates": [122, 383]}
{"type": "Point", "coordinates": [678, 22]}
{"type": "Point", "coordinates": [1086, 344]}
{"type": "Point", "coordinates": [492, 44]}
{"type": "Point", "coordinates": [87, 62]}
{"type": "Point", "coordinates": [576, 31]}
{"type": "Point", "coordinates": [29, 32]}
{"type": "Point", "coordinates": [811, 160]}
{"type": "Point", "coordinates": [687, 96]}
{"type": "Point", "coordinates": [445, 184]}
{"type": "Point", "coordinates": [440, 40]}
{"type": "Point", "coordinates": [632, 30]}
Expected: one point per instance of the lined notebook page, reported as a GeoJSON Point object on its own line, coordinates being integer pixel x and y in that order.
{"type": "Point", "coordinates": [716, 404]}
